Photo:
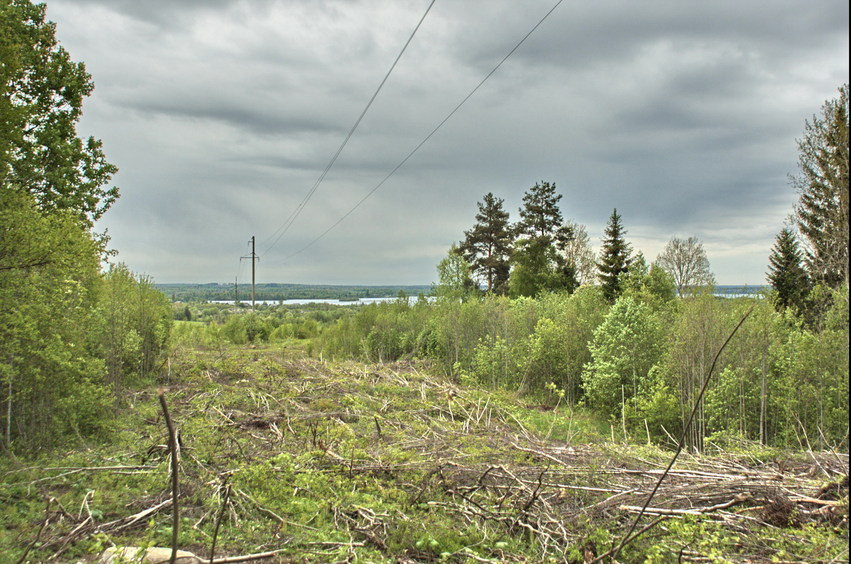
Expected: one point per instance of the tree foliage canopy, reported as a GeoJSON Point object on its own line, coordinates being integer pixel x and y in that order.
{"type": "Point", "coordinates": [540, 216]}
{"type": "Point", "coordinates": [579, 253]}
{"type": "Point", "coordinates": [686, 261]}
{"type": "Point", "coordinates": [615, 258]}
{"type": "Point", "coordinates": [487, 246]}
{"type": "Point", "coordinates": [539, 260]}
{"type": "Point", "coordinates": [41, 98]}
{"type": "Point", "coordinates": [786, 272]}
{"type": "Point", "coordinates": [821, 214]}
{"type": "Point", "coordinates": [68, 332]}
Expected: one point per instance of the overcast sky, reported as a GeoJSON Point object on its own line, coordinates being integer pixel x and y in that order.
{"type": "Point", "coordinates": [222, 114]}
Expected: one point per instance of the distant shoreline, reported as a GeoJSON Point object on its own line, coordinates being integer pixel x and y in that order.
{"type": "Point", "coordinates": [214, 291]}
{"type": "Point", "coordinates": [275, 292]}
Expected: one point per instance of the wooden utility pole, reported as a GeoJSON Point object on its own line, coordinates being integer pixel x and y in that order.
{"type": "Point", "coordinates": [254, 258]}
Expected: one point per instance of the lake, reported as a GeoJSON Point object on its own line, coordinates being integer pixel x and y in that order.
{"type": "Point", "coordinates": [726, 291]}
{"type": "Point", "coordinates": [304, 301]}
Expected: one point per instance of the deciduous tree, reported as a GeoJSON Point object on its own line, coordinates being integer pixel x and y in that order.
{"type": "Point", "coordinates": [50, 375]}
{"type": "Point", "coordinates": [649, 284]}
{"type": "Point", "coordinates": [579, 253]}
{"type": "Point", "coordinates": [624, 349]}
{"type": "Point", "coordinates": [455, 275]}
{"type": "Point", "coordinates": [686, 261]}
{"type": "Point", "coordinates": [41, 98]}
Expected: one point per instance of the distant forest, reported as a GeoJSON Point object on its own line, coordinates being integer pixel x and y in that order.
{"type": "Point", "coordinates": [274, 291]}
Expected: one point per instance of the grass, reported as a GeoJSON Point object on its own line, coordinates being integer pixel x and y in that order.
{"type": "Point", "coordinates": [350, 462]}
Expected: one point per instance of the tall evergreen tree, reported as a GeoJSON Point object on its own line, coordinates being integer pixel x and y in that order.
{"type": "Point", "coordinates": [540, 216]}
{"type": "Point", "coordinates": [615, 258]}
{"type": "Point", "coordinates": [821, 214]}
{"type": "Point", "coordinates": [539, 259]}
{"type": "Point", "coordinates": [786, 272]}
{"type": "Point", "coordinates": [487, 246]}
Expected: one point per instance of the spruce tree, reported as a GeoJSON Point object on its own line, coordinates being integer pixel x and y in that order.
{"type": "Point", "coordinates": [786, 272]}
{"type": "Point", "coordinates": [487, 246]}
{"type": "Point", "coordinates": [615, 258]}
{"type": "Point", "coordinates": [821, 214]}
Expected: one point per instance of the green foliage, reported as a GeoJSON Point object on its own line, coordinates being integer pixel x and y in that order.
{"type": "Point", "coordinates": [641, 361]}
{"type": "Point", "coordinates": [812, 379]}
{"type": "Point", "coordinates": [615, 258]}
{"type": "Point", "coordinates": [495, 364]}
{"type": "Point", "coordinates": [538, 267]}
{"type": "Point", "coordinates": [42, 95]}
{"type": "Point", "coordinates": [68, 332]}
{"type": "Point", "coordinates": [547, 362]}
{"type": "Point", "coordinates": [695, 335]}
{"type": "Point", "coordinates": [786, 272]}
{"type": "Point", "coordinates": [48, 287]}
{"type": "Point", "coordinates": [821, 213]}
{"type": "Point", "coordinates": [652, 285]}
{"type": "Point", "coordinates": [656, 409]}
{"type": "Point", "coordinates": [625, 347]}
{"type": "Point", "coordinates": [455, 277]}
{"type": "Point", "coordinates": [538, 261]}
{"type": "Point", "coordinates": [136, 324]}
{"type": "Point", "coordinates": [487, 246]}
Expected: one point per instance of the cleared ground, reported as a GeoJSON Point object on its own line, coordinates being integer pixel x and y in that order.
{"type": "Point", "coordinates": [312, 461]}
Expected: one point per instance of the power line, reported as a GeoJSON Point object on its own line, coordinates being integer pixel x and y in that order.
{"type": "Point", "coordinates": [286, 225]}
{"type": "Point", "coordinates": [429, 136]}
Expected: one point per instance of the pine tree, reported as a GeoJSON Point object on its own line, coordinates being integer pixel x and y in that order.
{"type": "Point", "coordinates": [540, 216]}
{"type": "Point", "coordinates": [786, 272]}
{"type": "Point", "coordinates": [821, 214]}
{"type": "Point", "coordinates": [615, 258]}
{"type": "Point", "coordinates": [539, 259]}
{"type": "Point", "coordinates": [487, 246]}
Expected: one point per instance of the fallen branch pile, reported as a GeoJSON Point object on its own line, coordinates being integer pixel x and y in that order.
{"type": "Point", "coordinates": [450, 452]}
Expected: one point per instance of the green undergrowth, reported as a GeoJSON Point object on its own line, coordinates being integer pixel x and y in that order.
{"type": "Point", "coordinates": [348, 462]}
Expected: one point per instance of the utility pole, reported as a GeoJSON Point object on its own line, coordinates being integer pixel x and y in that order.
{"type": "Point", "coordinates": [254, 258]}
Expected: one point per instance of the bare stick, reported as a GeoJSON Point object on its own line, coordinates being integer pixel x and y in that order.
{"type": "Point", "coordinates": [172, 446]}
{"type": "Point", "coordinates": [628, 538]}
{"type": "Point", "coordinates": [38, 535]}
{"type": "Point", "coordinates": [219, 520]}
{"type": "Point", "coordinates": [249, 557]}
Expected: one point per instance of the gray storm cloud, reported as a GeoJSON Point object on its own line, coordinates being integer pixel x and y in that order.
{"type": "Point", "coordinates": [222, 115]}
